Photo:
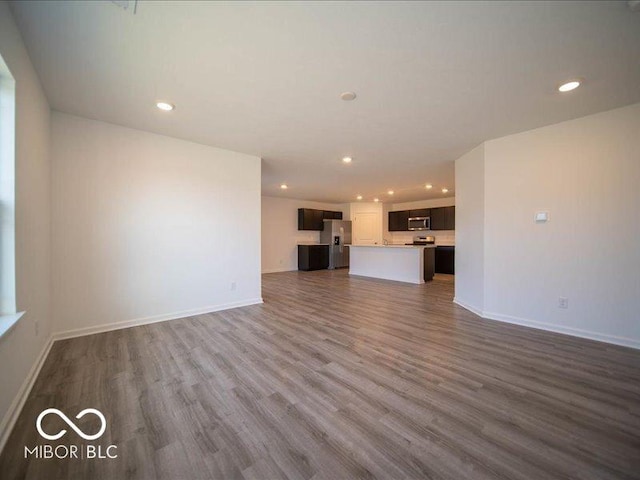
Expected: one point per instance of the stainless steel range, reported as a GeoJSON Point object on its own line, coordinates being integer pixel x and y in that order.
{"type": "Point", "coordinates": [428, 240]}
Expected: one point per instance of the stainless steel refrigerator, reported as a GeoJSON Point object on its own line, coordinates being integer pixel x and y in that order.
{"type": "Point", "coordinates": [337, 233]}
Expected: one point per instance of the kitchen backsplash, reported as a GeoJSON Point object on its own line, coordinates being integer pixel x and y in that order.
{"type": "Point", "coordinates": [443, 237]}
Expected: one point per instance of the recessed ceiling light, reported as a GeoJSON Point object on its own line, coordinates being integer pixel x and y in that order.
{"type": "Point", "coordinates": [348, 96]}
{"type": "Point", "coordinates": [567, 87]}
{"type": "Point", "coordinates": [284, 186]}
{"type": "Point", "coordinates": [347, 159]}
{"type": "Point", "coordinates": [359, 197]}
{"type": "Point", "coordinates": [445, 190]}
{"type": "Point", "coordinates": [167, 107]}
{"type": "Point", "coordinates": [428, 186]}
{"type": "Point", "coordinates": [376, 199]}
{"type": "Point", "coordinates": [390, 192]}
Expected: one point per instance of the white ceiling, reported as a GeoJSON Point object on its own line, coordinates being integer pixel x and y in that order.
{"type": "Point", "coordinates": [433, 79]}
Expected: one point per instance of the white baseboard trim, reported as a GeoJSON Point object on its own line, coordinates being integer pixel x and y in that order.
{"type": "Point", "coordinates": [10, 418]}
{"type": "Point", "coordinates": [469, 307]}
{"type": "Point", "coordinates": [550, 327]}
{"type": "Point", "coordinates": [278, 270]}
{"type": "Point", "coordinates": [576, 332]}
{"type": "Point", "coordinates": [80, 332]}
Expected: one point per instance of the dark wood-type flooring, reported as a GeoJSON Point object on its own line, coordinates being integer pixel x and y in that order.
{"type": "Point", "coordinates": [339, 378]}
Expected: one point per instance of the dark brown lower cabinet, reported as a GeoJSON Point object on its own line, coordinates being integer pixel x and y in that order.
{"type": "Point", "coordinates": [429, 263]}
{"type": "Point", "coordinates": [445, 260]}
{"type": "Point", "coordinates": [313, 257]}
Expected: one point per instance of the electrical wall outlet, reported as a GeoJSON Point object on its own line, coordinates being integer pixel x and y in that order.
{"type": "Point", "coordinates": [233, 285]}
{"type": "Point", "coordinates": [36, 326]}
{"type": "Point", "coordinates": [563, 302]}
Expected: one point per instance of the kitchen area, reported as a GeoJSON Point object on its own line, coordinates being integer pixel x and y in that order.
{"type": "Point", "coordinates": [414, 244]}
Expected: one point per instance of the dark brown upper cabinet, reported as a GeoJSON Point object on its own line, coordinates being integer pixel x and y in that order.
{"type": "Point", "coordinates": [312, 219]}
{"type": "Point", "coordinates": [329, 215]}
{"type": "Point", "coordinates": [422, 212]}
{"type": "Point", "coordinates": [443, 218]}
{"type": "Point", "coordinates": [399, 221]}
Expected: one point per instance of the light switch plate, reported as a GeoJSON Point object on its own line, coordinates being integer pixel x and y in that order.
{"type": "Point", "coordinates": [541, 217]}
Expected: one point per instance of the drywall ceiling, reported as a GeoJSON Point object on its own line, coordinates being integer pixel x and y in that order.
{"type": "Point", "coordinates": [433, 79]}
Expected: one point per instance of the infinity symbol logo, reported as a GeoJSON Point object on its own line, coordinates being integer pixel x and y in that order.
{"type": "Point", "coordinates": [71, 424]}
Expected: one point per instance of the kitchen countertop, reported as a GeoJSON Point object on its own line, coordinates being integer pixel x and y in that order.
{"type": "Point", "coordinates": [392, 245]}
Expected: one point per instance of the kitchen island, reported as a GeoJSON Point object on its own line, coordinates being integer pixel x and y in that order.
{"type": "Point", "coordinates": [402, 263]}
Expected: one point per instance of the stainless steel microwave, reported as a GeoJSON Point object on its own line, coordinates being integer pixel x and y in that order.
{"type": "Point", "coordinates": [419, 223]}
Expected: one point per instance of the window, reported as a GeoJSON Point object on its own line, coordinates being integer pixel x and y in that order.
{"type": "Point", "coordinates": [8, 314]}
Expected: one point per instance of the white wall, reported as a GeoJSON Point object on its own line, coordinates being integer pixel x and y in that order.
{"type": "Point", "coordinates": [585, 173]}
{"type": "Point", "coordinates": [280, 235]}
{"type": "Point", "coordinates": [21, 346]}
{"type": "Point", "coordinates": [470, 229]}
{"type": "Point", "coordinates": [431, 203]}
{"type": "Point", "coordinates": [443, 237]}
{"type": "Point", "coordinates": [147, 226]}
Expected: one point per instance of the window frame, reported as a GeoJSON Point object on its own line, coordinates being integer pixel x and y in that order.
{"type": "Point", "coordinates": [9, 315]}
